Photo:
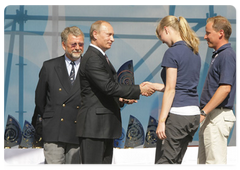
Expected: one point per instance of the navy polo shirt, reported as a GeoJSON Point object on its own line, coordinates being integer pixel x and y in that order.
{"type": "Point", "coordinates": [188, 66]}
{"type": "Point", "coordinates": [222, 70]}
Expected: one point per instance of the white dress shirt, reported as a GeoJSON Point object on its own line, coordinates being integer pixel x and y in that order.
{"type": "Point", "coordinates": [69, 66]}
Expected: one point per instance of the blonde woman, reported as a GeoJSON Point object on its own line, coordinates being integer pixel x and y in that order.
{"type": "Point", "coordinates": [180, 115]}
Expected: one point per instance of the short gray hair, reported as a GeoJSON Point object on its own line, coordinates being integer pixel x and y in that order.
{"type": "Point", "coordinates": [71, 30]}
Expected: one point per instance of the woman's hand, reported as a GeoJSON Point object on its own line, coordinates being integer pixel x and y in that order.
{"type": "Point", "coordinates": [161, 130]}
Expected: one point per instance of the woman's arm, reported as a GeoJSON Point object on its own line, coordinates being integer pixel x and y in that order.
{"type": "Point", "coordinates": [168, 96]}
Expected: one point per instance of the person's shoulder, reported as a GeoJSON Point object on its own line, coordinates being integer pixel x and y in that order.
{"type": "Point", "coordinates": [172, 52]}
{"type": "Point", "coordinates": [91, 54]}
{"type": "Point", "coordinates": [231, 52]}
{"type": "Point", "coordinates": [92, 51]}
{"type": "Point", "coordinates": [228, 54]}
{"type": "Point", "coordinates": [53, 60]}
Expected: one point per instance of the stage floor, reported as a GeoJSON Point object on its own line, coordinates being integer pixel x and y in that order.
{"type": "Point", "coordinates": [137, 156]}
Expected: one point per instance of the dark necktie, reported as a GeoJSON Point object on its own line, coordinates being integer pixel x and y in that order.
{"type": "Point", "coordinates": [72, 73]}
{"type": "Point", "coordinates": [107, 59]}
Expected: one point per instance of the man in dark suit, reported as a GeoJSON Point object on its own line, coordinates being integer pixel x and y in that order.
{"type": "Point", "coordinates": [99, 119]}
{"type": "Point", "coordinates": [57, 99]}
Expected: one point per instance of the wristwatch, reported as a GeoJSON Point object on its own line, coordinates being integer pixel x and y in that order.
{"type": "Point", "coordinates": [203, 113]}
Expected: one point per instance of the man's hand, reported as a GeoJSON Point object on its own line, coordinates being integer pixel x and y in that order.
{"type": "Point", "coordinates": [147, 88]}
{"type": "Point", "coordinates": [127, 101]}
{"type": "Point", "coordinates": [156, 86]}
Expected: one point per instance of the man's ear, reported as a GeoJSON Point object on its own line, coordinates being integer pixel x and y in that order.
{"type": "Point", "coordinates": [221, 34]}
{"type": "Point", "coordinates": [95, 33]}
{"type": "Point", "coordinates": [63, 46]}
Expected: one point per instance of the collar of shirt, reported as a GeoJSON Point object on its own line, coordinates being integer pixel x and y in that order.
{"type": "Point", "coordinates": [99, 49]}
{"type": "Point", "coordinates": [69, 66]}
{"type": "Point", "coordinates": [179, 43]}
{"type": "Point", "coordinates": [68, 61]}
{"type": "Point", "coordinates": [221, 49]}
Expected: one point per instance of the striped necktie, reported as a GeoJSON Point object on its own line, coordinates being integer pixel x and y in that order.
{"type": "Point", "coordinates": [72, 73]}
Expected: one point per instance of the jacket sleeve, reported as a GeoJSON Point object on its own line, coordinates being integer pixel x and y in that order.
{"type": "Point", "coordinates": [41, 92]}
{"type": "Point", "coordinates": [98, 74]}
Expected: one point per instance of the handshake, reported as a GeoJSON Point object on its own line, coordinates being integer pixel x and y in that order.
{"type": "Point", "coordinates": [147, 89]}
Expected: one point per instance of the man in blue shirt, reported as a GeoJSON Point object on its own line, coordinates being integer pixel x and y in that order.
{"type": "Point", "coordinates": [218, 94]}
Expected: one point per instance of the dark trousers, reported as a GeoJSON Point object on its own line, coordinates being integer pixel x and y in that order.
{"type": "Point", "coordinates": [179, 131]}
{"type": "Point", "coordinates": [96, 151]}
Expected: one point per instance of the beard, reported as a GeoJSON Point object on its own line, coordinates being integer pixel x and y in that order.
{"type": "Point", "coordinates": [75, 54]}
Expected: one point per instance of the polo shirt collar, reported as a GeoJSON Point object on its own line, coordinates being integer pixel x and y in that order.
{"type": "Point", "coordinates": [221, 48]}
{"type": "Point", "coordinates": [179, 43]}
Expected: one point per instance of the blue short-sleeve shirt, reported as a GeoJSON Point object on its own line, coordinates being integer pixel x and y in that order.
{"type": "Point", "coordinates": [188, 66]}
{"type": "Point", "coordinates": [222, 70]}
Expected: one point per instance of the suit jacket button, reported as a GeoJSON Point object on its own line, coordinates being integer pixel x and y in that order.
{"type": "Point", "coordinates": [63, 105]}
{"type": "Point", "coordinates": [75, 121]}
{"type": "Point", "coordinates": [77, 107]}
{"type": "Point", "coordinates": [61, 119]}
{"type": "Point", "coordinates": [60, 89]}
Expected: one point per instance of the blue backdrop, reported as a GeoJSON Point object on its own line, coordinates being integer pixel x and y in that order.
{"type": "Point", "coordinates": [32, 35]}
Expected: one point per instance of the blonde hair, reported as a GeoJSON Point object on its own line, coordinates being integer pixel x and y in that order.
{"type": "Point", "coordinates": [182, 26]}
{"type": "Point", "coordinates": [221, 23]}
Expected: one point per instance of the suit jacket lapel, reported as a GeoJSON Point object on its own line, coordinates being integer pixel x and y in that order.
{"type": "Point", "coordinates": [62, 73]}
{"type": "Point", "coordinates": [109, 66]}
{"type": "Point", "coordinates": [112, 68]}
{"type": "Point", "coordinates": [75, 87]}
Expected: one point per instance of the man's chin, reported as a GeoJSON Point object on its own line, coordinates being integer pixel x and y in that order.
{"type": "Point", "coordinates": [76, 56]}
{"type": "Point", "coordinates": [210, 45]}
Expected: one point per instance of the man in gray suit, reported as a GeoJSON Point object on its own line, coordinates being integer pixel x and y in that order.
{"type": "Point", "coordinates": [99, 119]}
{"type": "Point", "coordinates": [57, 99]}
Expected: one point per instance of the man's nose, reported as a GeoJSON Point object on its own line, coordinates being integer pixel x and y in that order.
{"type": "Point", "coordinates": [112, 38]}
{"type": "Point", "coordinates": [205, 36]}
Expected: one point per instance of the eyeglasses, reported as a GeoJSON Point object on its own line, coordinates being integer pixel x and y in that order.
{"type": "Point", "coordinates": [75, 44]}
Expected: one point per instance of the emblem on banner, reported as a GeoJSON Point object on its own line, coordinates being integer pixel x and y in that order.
{"type": "Point", "coordinates": [37, 141]}
{"type": "Point", "coordinates": [135, 133]}
{"type": "Point", "coordinates": [119, 143]}
{"type": "Point", "coordinates": [125, 73]}
{"type": "Point", "coordinates": [151, 136]}
{"type": "Point", "coordinates": [27, 135]}
{"type": "Point", "coordinates": [12, 135]}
